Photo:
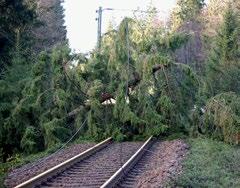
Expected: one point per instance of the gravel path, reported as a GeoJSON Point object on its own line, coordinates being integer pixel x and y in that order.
{"type": "Point", "coordinates": [160, 164]}
{"type": "Point", "coordinates": [95, 170]}
{"type": "Point", "coordinates": [21, 174]}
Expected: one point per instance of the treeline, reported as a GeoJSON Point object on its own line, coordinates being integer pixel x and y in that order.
{"type": "Point", "coordinates": [27, 27]}
{"type": "Point", "coordinates": [148, 78]}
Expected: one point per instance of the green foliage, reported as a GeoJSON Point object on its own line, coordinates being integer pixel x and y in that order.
{"type": "Point", "coordinates": [223, 68]}
{"type": "Point", "coordinates": [185, 11]}
{"type": "Point", "coordinates": [122, 111]}
{"type": "Point", "coordinates": [15, 17]}
{"type": "Point", "coordinates": [143, 103]}
{"type": "Point", "coordinates": [131, 88]}
{"type": "Point", "coordinates": [35, 104]}
{"type": "Point", "coordinates": [222, 117]}
{"type": "Point", "coordinates": [54, 132]}
{"type": "Point", "coordinates": [189, 9]}
{"type": "Point", "coordinates": [29, 140]}
{"type": "Point", "coordinates": [220, 93]}
{"type": "Point", "coordinates": [11, 127]}
{"type": "Point", "coordinates": [227, 40]}
{"type": "Point", "coordinates": [15, 13]}
{"type": "Point", "coordinates": [210, 164]}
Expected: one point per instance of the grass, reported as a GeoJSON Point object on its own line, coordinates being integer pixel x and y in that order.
{"type": "Point", "coordinates": [210, 164]}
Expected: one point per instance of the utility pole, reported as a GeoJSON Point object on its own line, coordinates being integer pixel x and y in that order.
{"type": "Point", "coordinates": [99, 20]}
{"type": "Point", "coordinates": [99, 31]}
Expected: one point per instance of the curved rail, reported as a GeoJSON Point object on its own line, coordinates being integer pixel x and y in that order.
{"type": "Point", "coordinates": [114, 179]}
{"type": "Point", "coordinates": [61, 167]}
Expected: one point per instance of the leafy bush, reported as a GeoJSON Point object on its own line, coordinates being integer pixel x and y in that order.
{"type": "Point", "coordinates": [222, 117]}
{"type": "Point", "coordinates": [29, 140]}
{"type": "Point", "coordinates": [54, 132]}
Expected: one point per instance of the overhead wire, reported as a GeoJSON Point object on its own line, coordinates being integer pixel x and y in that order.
{"type": "Point", "coordinates": [126, 94]}
{"type": "Point", "coordinates": [134, 10]}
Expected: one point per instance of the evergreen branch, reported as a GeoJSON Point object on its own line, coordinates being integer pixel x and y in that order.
{"type": "Point", "coordinates": [73, 82]}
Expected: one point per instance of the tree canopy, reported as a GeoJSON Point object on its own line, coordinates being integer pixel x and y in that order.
{"type": "Point", "coordinates": [146, 79]}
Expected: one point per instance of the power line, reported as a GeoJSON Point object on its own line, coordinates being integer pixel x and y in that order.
{"type": "Point", "coordinates": [134, 10]}
{"type": "Point", "coordinates": [100, 16]}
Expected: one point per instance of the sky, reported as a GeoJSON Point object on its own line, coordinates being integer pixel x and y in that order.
{"type": "Point", "coordinates": [81, 24]}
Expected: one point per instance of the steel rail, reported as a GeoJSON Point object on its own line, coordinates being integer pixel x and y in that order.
{"type": "Point", "coordinates": [63, 166]}
{"type": "Point", "coordinates": [115, 178]}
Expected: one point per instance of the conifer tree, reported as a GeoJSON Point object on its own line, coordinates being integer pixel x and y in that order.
{"type": "Point", "coordinates": [50, 31]}
{"type": "Point", "coordinates": [16, 16]}
{"type": "Point", "coordinates": [223, 68]}
{"type": "Point", "coordinates": [186, 18]}
{"type": "Point", "coordinates": [11, 85]}
{"type": "Point", "coordinates": [186, 10]}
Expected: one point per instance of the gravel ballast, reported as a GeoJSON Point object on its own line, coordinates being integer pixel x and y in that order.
{"type": "Point", "coordinates": [95, 170]}
{"type": "Point", "coordinates": [25, 172]}
{"type": "Point", "coordinates": [160, 164]}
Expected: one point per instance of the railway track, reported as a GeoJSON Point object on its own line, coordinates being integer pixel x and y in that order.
{"type": "Point", "coordinates": [95, 170]}
{"type": "Point", "coordinates": [133, 177]}
{"type": "Point", "coordinates": [109, 164]}
{"type": "Point", "coordinates": [159, 164]}
{"type": "Point", "coordinates": [91, 168]}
